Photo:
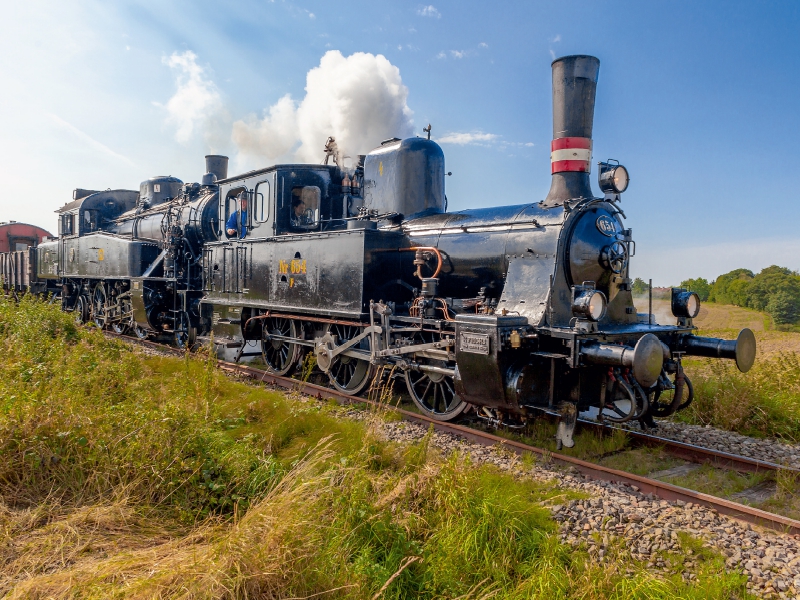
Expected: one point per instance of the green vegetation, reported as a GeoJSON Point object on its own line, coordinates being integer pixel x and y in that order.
{"type": "Point", "coordinates": [700, 286]}
{"type": "Point", "coordinates": [639, 287]}
{"type": "Point", "coordinates": [775, 290]}
{"type": "Point", "coordinates": [764, 402]}
{"type": "Point", "coordinates": [129, 476]}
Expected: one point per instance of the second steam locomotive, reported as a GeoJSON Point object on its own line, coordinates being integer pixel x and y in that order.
{"type": "Point", "coordinates": [503, 310]}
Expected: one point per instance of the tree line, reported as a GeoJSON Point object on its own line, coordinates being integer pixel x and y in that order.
{"type": "Point", "coordinates": [775, 290]}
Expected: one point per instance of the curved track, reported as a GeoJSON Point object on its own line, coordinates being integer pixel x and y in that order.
{"type": "Point", "coordinates": [660, 489]}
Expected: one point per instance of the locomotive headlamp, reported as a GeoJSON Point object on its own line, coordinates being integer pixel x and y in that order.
{"type": "Point", "coordinates": [613, 178]}
{"type": "Point", "coordinates": [588, 303]}
{"type": "Point", "coordinates": [685, 303]}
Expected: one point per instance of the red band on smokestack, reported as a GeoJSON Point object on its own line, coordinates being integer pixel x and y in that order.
{"type": "Point", "coordinates": [570, 154]}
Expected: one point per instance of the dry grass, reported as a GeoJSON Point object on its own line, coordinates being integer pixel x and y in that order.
{"type": "Point", "coordinates": [124, 477]}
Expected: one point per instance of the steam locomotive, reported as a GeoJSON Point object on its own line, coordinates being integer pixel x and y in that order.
{"type": "Point", "coordinates": [504, 311]}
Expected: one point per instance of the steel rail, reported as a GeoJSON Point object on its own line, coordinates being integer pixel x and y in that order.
{"type": "Point", "coordinates": [663, 490]}
{"type": "Point", "coordinates": [691, 452]}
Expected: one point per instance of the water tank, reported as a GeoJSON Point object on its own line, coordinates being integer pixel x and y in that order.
{"type": "Point", "coordinates": [405, 177]}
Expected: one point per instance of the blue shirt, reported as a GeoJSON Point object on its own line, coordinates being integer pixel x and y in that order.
{"type": "Point", "coordinates": [234, 223]}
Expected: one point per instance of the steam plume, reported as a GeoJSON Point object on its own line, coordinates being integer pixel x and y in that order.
{"type": "Point", "coordinates": [196, 104]}
{"type": "Point", "coordinates": [359, 99]}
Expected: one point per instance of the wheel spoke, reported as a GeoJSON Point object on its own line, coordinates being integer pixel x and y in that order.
{"type": "Point", "coordinates": [280, 355]}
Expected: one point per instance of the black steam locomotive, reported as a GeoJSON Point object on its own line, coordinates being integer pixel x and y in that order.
{"type": "Point", "coordinates": [503, 310]}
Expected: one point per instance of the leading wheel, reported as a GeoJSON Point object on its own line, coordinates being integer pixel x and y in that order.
{"type": "Point", "coordinates": [279, 354]}
{"type": "Point", "coordinates": [348, 374]}
{"type": "Point", "coordinates": [434, 392]}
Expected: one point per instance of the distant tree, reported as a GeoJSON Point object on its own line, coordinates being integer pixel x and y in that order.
{"type": "Point", "coordinates": [738, 292]}
{"type": "Point", "coordinates": [640, 287]}
{"type": "Point", "coordinates": [700, 286]}
{"type": "Point", "coordinates": [770, 281]}
{"type": "Point", "coordinates": [784, 307]}
{"type": "Point", "coordinates": [719, 289]}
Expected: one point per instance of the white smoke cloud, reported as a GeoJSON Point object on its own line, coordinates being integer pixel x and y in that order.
{"type": "Point", "coordinates": [360, 100]}
{"type": "Point", "coordinates": [197, 103]}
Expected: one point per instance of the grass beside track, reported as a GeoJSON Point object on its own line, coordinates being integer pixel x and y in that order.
{"type": "Point", "coordinates": [126, 476]}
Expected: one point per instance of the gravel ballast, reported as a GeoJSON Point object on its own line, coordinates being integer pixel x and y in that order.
{"type": "Point", "coordinates": [648, 525]}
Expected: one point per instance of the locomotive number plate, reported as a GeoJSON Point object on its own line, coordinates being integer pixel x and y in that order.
{"type": "Point", "coordinates": [477, 343]}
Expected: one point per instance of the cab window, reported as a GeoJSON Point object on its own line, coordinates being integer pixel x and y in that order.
{"type": "Point", "coordinates": [262, 199]}
{"type": "Point", "coordinates": [304, 208]}
{"type": "Point", "coordinates": [237, 213]}
{"type": "Point", "coordinates": [66, 224]}
{"type": "Point", "coordinates": [89, 220]}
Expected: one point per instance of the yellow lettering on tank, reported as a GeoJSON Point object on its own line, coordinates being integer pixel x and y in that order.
{"type": "Point", "coordinates": [100, 254]}
{"type": "Point", "coordinates": [291, 281]}
{"type": "Point", "coordinates": [380, 168]}
{"type": "Point", "coordinates": [283, 267]}
{"type": "Point", "coordinates": [298, 266]}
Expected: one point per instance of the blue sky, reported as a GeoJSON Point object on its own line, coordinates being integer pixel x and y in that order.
{"type": "Point", "coordinates": [698, 100]}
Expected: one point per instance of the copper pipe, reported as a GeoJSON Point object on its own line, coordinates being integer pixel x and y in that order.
{"type": "Point", "coordinates": [433, 249]}
{"type": "Point", "coordinates": [247, 323]}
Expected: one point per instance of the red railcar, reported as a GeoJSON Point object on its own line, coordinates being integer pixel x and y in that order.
{"type": "Point", "coordinates": [17, 257]}
{"type": "Point", "coordinates": [20, 236]}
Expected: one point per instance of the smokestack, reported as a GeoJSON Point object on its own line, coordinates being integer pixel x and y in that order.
{"type": "Point", "coordinates": [218, 165]}
{"type": "Point", "coordinates": [574, 88]}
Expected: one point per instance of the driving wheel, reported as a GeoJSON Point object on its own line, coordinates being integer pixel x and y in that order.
{"type": "Point", "coordinates": [99, 306]}
{"type": "Point", "coordinates": [434, 392]}
{"type": "Point", "coordinates": [81, 309]}
{"type": "Point", "coordinates": [348, 374]}
{"type": "Point", "coordinates": [280, 355]}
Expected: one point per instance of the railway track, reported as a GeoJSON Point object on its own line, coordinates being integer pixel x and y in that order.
{"type": "Point", "coordinates": [661, 489]}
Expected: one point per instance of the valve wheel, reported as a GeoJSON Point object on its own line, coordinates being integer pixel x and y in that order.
{"type": "Point", "coordinates": [616, 257]}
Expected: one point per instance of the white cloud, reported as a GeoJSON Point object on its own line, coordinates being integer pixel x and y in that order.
{"type": "Point", "coordinates": [483, 45]}
{"type": "Point", "coordinates": [441, 55]}
{"type": "Point", "coordinates": [429, 11]}
{"type": "Point", "coordinates": [458, 53]}
{"type": "Point", "coordinates": [360, 100]}
{"type": "Point", "coordinates": [89, 140]}
{"type": "Point", "coordinates": [462, 139]}
{"type": "Point", "coordinates": [197, 99]}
